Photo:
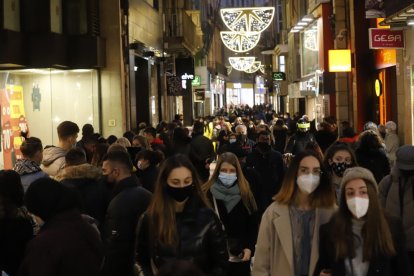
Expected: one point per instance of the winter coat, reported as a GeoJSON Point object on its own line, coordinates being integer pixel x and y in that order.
{"type": "Point", "coordinates": [202, 241]}
{"type": "Point", "coordinates": [201, 150]}
{"type": "Point", "coordinates": [92, 194]}
{"type": "Point", "coordinates": [374, 160]}
{"type": "Point", "coordinates": [53, 160]}
{"type": "Point", "coordinates": [392, 143]}
{"type": "Point", "coordinates": [397, 265]}
{"type": "Point", "coordinates": [66, 245]}
{"type": "Point", "coordinates": [270, 167]}
{"type": "Point", "coordinates": [15, 233]}
{"type": "Point", "coordinates": [396, 194]}
{"type": "Point", "coordinates": [148, 177]}
{"type": "Point", "coordinates": [127, 205]}
{"type": "Point", "coordinates": [274, 248]}
{"type": "Point", "coordinates": [29, 171]}
{"type": "Point", "coordinates": [240, 226]}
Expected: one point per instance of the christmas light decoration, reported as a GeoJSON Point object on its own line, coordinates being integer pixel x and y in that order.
{"type": "Point", "coordinates": [247, 19]}
{"type": "Point", "coordinates": [229, 69]}
{"type": "Point", "coordinates": [240, 41]}
{"type": "Point", "coordinates": [241, 63]}
{"type": "Point", "coordinates": [254, 68]}
{"type": "Point", "coordinates": [262, 68]}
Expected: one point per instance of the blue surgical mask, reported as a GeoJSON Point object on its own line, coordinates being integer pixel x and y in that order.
{"type": "Point", "coordinates": [227, 179]}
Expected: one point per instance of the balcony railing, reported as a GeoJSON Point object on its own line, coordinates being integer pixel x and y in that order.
{"type": "Point", "coordinates": [181, 32]}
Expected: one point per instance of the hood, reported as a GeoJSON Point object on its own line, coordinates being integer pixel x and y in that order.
{"type": "Point", "coordinates": [51, 153]}
{"type": "Point", "coordinates": [79, 172]}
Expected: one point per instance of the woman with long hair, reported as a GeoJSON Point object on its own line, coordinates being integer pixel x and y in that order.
{"type": "Point", "coordinates": [288, 237]}
{"type": "Point", "coordinates": [179, 224]}
{"type": "Point", "coordinates": [339, 157]}
{"type": "Point", "coordinates": [360, 239]}
{"type": "Point", "coordinates": [233, 200]}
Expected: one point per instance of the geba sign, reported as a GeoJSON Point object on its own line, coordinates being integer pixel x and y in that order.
{"type": "Point", "coordinates": [386, 39]}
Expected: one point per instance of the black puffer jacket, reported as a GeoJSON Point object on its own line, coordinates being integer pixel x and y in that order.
{"type": "Point", "coordinates": [128, 203]}
{"type": "Point", "coordinates": [201, 241]}
{"type": "Point", "coordinates": [92, 194]}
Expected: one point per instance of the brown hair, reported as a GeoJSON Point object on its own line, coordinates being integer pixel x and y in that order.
{"type": "Point", "coordinates": [376, 233]}
{"type": "Point", "coordinates": [31, 146]}
{"type": "Point", "coordinates": [323, 196]}
{"type": "Point", "coordinates": [161, 211]}
{"type": "Point", "coordinates": [245, 191]}
{"type": "Point", "coordinates": [66, 129]}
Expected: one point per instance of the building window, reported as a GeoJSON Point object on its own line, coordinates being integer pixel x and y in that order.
{"type": "Point", "coordinates": [282, 64]}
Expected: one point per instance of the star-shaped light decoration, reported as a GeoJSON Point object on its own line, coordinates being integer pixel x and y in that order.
{"type": "Point", "coordinates": [247, 19]}
{"type": "Point", "coordinates": [254, 68]}
{"type": "Point", "coordinates": [240, 42]}
{"type": "Point", "coordinates": [241, 63]}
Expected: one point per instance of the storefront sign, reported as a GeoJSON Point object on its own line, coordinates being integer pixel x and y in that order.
{"type": "Point", "coordinates": [199, 95]}
{"type": "Point", "coordinates": [339, 60]}
{"type": "Point", "coordinates": [196, 81]}
{"type": "Point", "coordinates": [279, 76]}
{"type": "Point", "coordinates": [380, 38]}
{"type": "Point", "coordinates": [378, 87]}
{"type": "Point", "coordinates": [174, 87]}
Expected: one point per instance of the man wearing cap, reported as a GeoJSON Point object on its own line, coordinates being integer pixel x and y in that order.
{"type": "Point", "coordinates": [397, 193]}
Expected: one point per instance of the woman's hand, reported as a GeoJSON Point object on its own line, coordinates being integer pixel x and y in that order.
{"type": "Point", "coordinates": [247, 253]}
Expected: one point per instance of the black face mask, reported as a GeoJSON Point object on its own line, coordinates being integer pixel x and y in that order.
{"type": "Point", "coordinates": [339, 168]}
{"type": "Point", "coordinates": [180, 194]}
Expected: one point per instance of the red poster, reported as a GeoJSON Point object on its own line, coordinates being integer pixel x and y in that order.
{"type": "Point", "coordinates": [13, 123]}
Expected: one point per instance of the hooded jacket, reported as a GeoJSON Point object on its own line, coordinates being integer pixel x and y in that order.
{"type": "Point", "coordinates": [92, 193]}
{"type": "Point", "coordinates": [53, 160]}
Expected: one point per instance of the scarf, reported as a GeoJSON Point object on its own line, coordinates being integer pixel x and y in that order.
{"type": "Point", "coordinates": [24, 166]}
{"type": "Point", "coordinates": [230, 196]}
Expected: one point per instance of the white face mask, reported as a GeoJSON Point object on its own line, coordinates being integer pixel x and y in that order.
{"type": "Point", "coordinates": [308, 183]}
{"type": "Point", "coordinates": [358, 206]}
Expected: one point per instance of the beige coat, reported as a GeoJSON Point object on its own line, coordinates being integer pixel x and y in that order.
{"type": "Point", "coordinates": [274, 248]}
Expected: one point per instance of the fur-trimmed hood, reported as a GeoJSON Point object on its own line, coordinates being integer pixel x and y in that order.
{"type": "Point", "coordinates": [79, 172]}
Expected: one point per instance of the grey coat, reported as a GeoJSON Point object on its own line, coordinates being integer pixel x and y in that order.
{"type": "Point", "coordinates": [389, 194]}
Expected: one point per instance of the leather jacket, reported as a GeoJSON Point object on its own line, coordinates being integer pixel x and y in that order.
{"type": "Point", "coordinates": [202, 241]}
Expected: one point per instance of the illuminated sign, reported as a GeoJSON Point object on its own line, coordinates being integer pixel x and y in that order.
{"type": "Point", "coordinates": [339, 60]}
{"type": "Point", "coordinates": [380, 38]}
{"type": "Point", "coordinates": [378, 87]}
{"type": "Point", "coordinates": [279, 76]}
{"type": "Point", "coordinates": [184, 79]}
{"type": "Point", "coordinates": [196, 81]}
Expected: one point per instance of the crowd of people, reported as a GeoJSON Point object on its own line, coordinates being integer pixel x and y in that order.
{"type": "Point", "coordinates": [249, 192]}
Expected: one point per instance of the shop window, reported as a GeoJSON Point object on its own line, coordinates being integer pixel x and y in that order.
{"type": "Point", "coordinates": [38, 100]}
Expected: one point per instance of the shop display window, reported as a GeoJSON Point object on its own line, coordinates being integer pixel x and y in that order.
{"type": "Point", "coordinates": [36, 101]}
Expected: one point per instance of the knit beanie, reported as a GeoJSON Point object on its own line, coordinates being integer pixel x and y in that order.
{"type": "Point", "coordinates": [359, 173]}
{"type": "Point", "coordinates": [405, 158]}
